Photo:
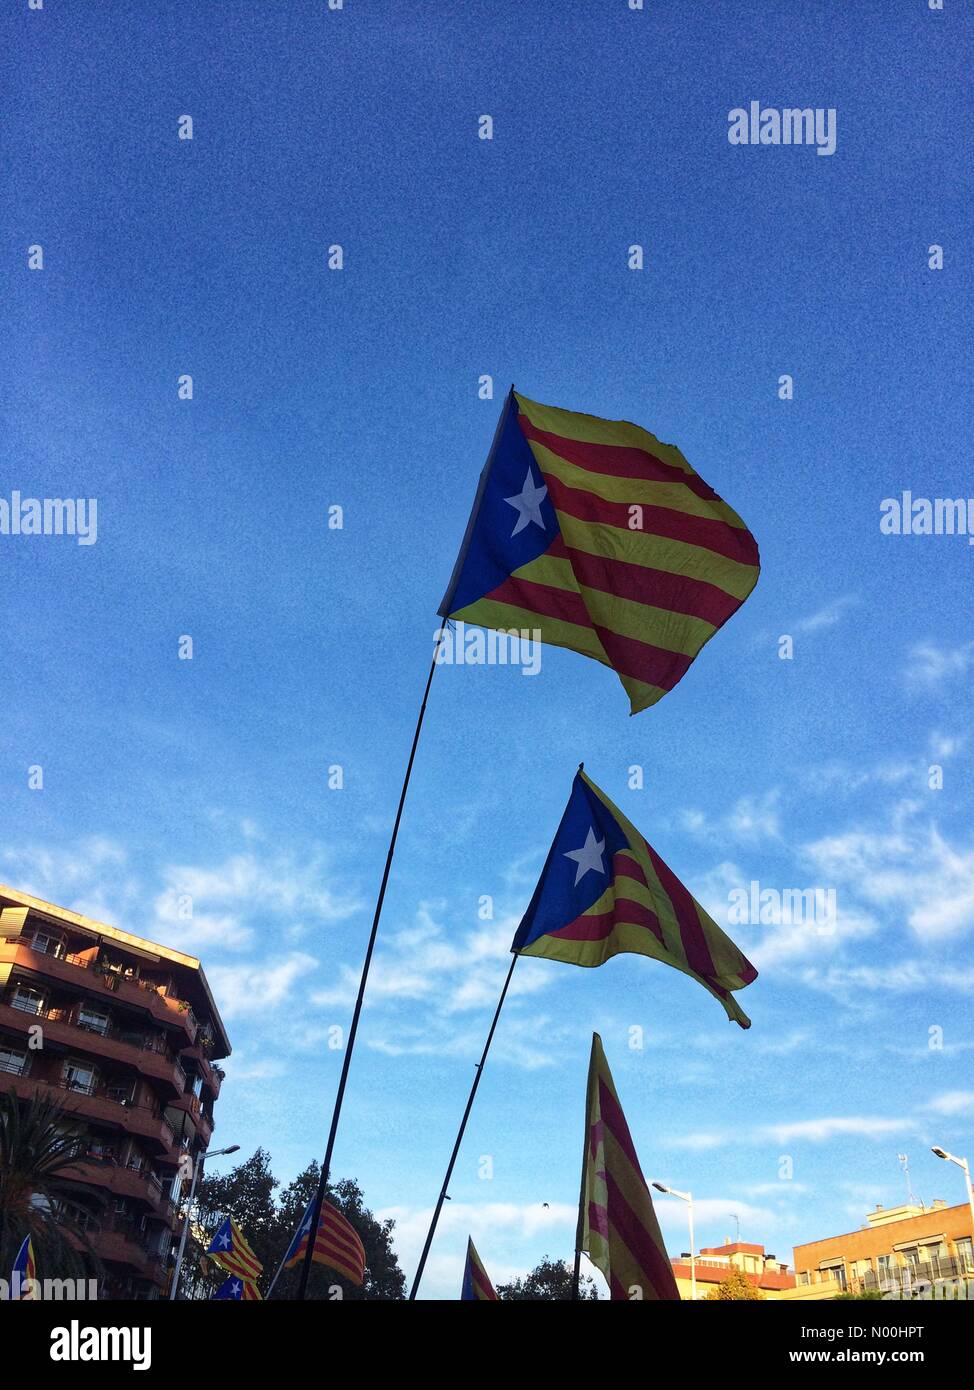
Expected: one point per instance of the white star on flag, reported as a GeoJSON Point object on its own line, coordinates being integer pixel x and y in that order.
{"type": "Point", "coordinates": [527, 504]}
{"type": "Point", "coordinates": [225, 1240]}
{"type": "Point", "coordinates": [588, 857]}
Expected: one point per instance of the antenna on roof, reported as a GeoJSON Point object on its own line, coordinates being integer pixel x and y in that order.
{"type": "Point", "coordinates": [905, 1165]}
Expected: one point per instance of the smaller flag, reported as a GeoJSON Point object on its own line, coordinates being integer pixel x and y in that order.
{"type": "Point", "coordinates": [617, 1225]}
{"type": "Point", "coordinates": [240, 1290]}
{"type": "Point", "coordinates": [338, 1244]}
{"type": "Point", "coordinates": [24, 1271]}
{"type": "Point", "coordinates": [604, 890]}
{"type": "Point", "coordinates": [230, 1249]}
{"type": "Point", "coordinates": [476, 1285]}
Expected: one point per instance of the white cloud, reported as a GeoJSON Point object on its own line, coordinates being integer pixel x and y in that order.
{"type": "Point", "coordinates": [930, 666]}
{"type": "Point", "coordinates": [913, 870]}
{"type": "Point", "coordinates": [828, 616]}
{"type": "Point", "coordinates": [256, 987]}
{"type": "Point", "coordinates": [750, 819]}
{"type": "Point", "coordinates": [953, 1103]}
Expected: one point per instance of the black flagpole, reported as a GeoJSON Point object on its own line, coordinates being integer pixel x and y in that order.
{"type": "Point", "coordinates": [580, 1228]}
{"type": "Point", "coordinates": [463, 1124]}
{"type": "Point", "coordinates": [326, 1162]}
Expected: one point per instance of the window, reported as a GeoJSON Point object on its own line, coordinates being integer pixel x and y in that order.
{"type": "Point", "coordinates": [93, 1018]}
{"type": "Point", "coordinates": [50, 943]}
{"type": "Point", "coordinates": [965, 1252]}
{"type": "Point", "coordinates": [12, 1060]}
{"type": "Point", "coordinates": [79, 1076]}
{"type": "Point", "coordinates": [197, 1085]}
{"type": "Point", "coordinates": [28, 999]}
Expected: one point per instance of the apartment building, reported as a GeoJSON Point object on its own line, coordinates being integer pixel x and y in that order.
{"type": "Point", "coordinates": [898, 1249]}
{"type": "Point", "coordinates": [126, 1033]}
{"type": "Point", "coordinates": [771, 1277]}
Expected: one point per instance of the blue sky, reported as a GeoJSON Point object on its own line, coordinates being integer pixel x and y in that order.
{"type": "Point", "coordinates": [359, 388]}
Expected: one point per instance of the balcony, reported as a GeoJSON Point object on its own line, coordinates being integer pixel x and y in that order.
{"type": "Point", "coordinates": [118, 1240]}
{"type": "Point", "coordinates": [102, 1169]}
{"type": "Point", "coordinates": [150, 1058]}
{"type": "Point", "coordinates": [213, 1077]}
{"type": "Point", "coordinates": [106, 1105]}
{"type": "Point", "coordinates": [102, 982]}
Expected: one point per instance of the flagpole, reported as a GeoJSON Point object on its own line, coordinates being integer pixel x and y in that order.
{"type": "Point", "coordinates": [459, 1139]}
{"type": "Point", "coordinates": [326, 1162]}
{"type": "Point", "coordinates": [580, 1227]}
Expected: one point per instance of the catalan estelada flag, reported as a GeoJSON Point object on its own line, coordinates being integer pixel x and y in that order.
{"type": "Point", "coordinates": [230, 1249]}
{"type": "Point", "coordinates": [601, 539]}
{"type": "Point", "coordinates": [24, 1273]}
{"type": "Point", "coordinates": [240, 1290]}
{"type": "Point", "coordinates": [617, 1226]}
{"type": "Point", "coordinates": [475, 1285]}
{"type": "Point", "coordinates": [338, 1245]}
{"type": "Point", "coordinates": [604, 890]}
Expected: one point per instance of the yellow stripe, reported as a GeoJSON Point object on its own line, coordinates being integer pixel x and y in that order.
{"type": "Point", "coordinates": [549, 569]}
{"type": "Point", "coordinates": [629, 491]}
{"type": "Point", "coordinates": [590, 429]}
{"type": "Point", "coordinates": [504, 616]}
{"type": "Point", "coordinates": [658, 552]}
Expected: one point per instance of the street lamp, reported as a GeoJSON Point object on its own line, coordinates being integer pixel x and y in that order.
{"type": "Point", "coordinates": [688, 1198]}
{"type": "Point", "coordinates": [961, 1163]}
{"type": "Point", "coordinates": [217, 1153]}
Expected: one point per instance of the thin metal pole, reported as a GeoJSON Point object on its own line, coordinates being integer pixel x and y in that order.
{"type": "Point", "coordinates": [459, 1139]}
{"type": "Point", "coordinates": [326, 1162]}
{"type": "Point", "coordinates": [576, 1273]}
{"type": "Point", "coordinates": [174, 1291]}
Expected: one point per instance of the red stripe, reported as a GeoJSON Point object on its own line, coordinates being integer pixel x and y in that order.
{"type": "Point", "coordinates": [688, 919]}
{"type": "Point", "coordinates": [616, 460]}
{"type": "Point", "coordinates": [615, 1121]}
{"type": "Point", "coordinates": [597, 926]}
{"type": "Point", "coordinates": [565, 604]}
{"type": "Point", "coordinates": [677, 593]}
{"type": "Point", "coordinates": [730, 541]}
{"type": "Point", "coordinates": [479, 1278]}
{"type": "Point", "coordinates": [351, 1250]}
{"type": "Point", "coordinates": [642, 661]}
{"type": "Point", "coordinates": [641, 1245]}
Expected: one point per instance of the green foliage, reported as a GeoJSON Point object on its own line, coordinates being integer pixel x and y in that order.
{"type": "Point", "coordinates": [247, 1194]}
{"type": "Point", "coordinates": [870, 1294]}
{"type": "Point", "coordinates": [550, 1281]}
{"type": "Point", "coordinates": [37, 1195]}
{"type": "Point", "coordinates": [735, 1288]}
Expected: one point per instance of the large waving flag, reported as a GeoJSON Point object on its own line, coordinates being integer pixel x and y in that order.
{"type": "Point", "coordinates": [604, 890]}
{"type": "Point", "coordinates": [617, 1226]}
{"type": "Point", "coordinates": [24, 1273]}
{"type": "Point", "coordinates": [240, 1290]}
{"type": "Point", "coordinates": [230, 1249]}
{"type": "Point", "coordinates": [338, 1244]}
{"type": "Point", "coordinates": [602, 539]}
{"type": "Point", "coordinates": [475, 1285]}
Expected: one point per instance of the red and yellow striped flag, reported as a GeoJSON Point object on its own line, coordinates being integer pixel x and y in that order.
{"type": "Point", "coordinates": [617, 1226]}
{"type": "Point", "coordinates": [599, 538]}
{"type": "Point", "coordinates": [230, 1249]}
{"type": "Point", "coordinates": [338, 1244]}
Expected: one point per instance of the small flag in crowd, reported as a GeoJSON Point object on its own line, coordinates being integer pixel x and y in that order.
{"type": "Point", "coordinates": [230, 1249]}
{"type": "Point", "coordinates": [601, 539]}
{"type": "Point", "coordinates": [24, 1273]}
{"type": "Point", "coordinates": [241, 1290]}
{"type": "Point", "coordinates": [617, 1226]}
{"type": "Point", "coordinates": [604, 890]}
{"type": "Point", "coordinates": [338, 1244]}
{"type": "Point", "coordinates": [476, 1285]}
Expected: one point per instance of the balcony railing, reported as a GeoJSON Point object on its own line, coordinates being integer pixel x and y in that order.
{"type": "Point", "coordinates": [130, 1037]}
{"type": "Point", "coordinates": [109, 975]}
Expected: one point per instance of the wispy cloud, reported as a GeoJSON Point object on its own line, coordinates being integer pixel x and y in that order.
{"type": "Point", "coordinates": [929, 666]}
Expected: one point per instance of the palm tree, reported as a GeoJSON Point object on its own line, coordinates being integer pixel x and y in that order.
{"type": "Point", "coordinates": [38, 1144]}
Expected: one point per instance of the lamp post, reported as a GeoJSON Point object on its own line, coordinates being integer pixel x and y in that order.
{"type": "Point", "coordinates": [688, 1198]}
{"type": "Point", "coordinates": [174, 1291]}
{"type": "Point", "coordinates": [963, 1164]}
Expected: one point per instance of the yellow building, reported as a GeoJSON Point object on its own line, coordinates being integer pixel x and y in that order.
{"type": "Point", "coordinates": [897, 1250]}
{"type": "Point", "coordinates": [770, 1276]}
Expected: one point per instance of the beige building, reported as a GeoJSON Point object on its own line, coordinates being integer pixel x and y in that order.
{"type": "Point", "coordinates": [896, 1250]}
{"type": "Point", "coordinates": [770, 1276]}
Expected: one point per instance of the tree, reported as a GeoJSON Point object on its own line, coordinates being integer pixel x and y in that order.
{"type": "Point", "coordinates": [550, 1281]}
{"type": "Point", "coordinates": [38, 1148]}
{"type": "Point", "coordinates": [247, 1194]}
{"type": "Point", "coordinates": [870, 1294]}
{"type": "Point", "coordinates": [737, 1287]}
